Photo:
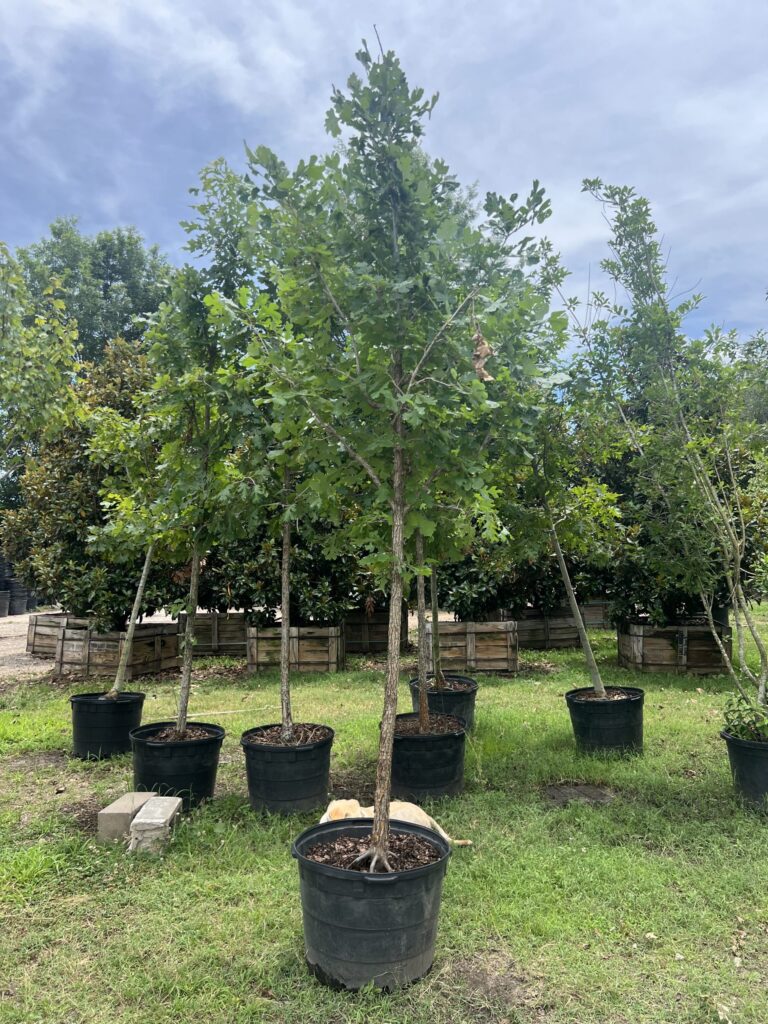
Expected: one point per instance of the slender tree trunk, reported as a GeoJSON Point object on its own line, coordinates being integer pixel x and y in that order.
{"type": "Point", "coordinates": [125, 654]}
{"type": "Point", "coordinates": [380, 831]}
{"type": "Point", "coordinates": [189, 642]}
{"type": "Point", "coordinates": [285, 634]}
{"type": "Point", "coordinates": [437, 669]}
{"type": "Point", "coordinates": [421, 606]}
{"type": "Point", "coordinates": [586, 646]}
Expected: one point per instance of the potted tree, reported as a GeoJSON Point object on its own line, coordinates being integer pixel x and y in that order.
{"type": "Point", "coordinates": [287, 764]}
{"type": "Point", "coordinates": [691, 413]}
{"type": "Point", "coordinates": [196, 406]}
{"type": "Point", "coordinates": [375, 256]}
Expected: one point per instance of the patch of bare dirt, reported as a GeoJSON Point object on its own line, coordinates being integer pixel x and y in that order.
{"type": "Point", "coordinates": [491, 987]}
{"type": "Point", "coordinates": [84, 814]}
{"type": "Point", "coordinates": [560, 794]}
{"type": "Point", "coordinates": [541, 667]}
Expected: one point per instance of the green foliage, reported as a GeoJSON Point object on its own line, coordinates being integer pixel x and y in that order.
{"type": "Point", "coordinates": [105, 281]}
{"type": "Point", "coordinates": [54, 537]}
{"type": "Point", "coordinates": [746, 720]}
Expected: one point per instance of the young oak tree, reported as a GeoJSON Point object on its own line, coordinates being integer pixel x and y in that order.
{"type": "Point", "coordinates": [692, 412]}
{"type": "Point", "coordinates": [379, 261]}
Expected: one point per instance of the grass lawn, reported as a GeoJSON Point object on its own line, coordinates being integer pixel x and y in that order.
{"type": "Point", "coordinates": [650, 908]}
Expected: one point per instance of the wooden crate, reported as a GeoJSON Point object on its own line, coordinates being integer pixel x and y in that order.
{"type": "Point", "coordinates": [367, 634]}
{"type": "Point", "coordinates": [596, 614]}
{"type": "Point", "coordinates": [80, 650]}
{"type": "Point", "coordinates": [43, 632]}
{"type": "Point", "coordinates": [477, 646]}
{"type": "Point", "coordinates": [312, 648]}
{"type": "Point", "coordinates": [678, 649]}
{"type": "Point", "coordinates": [217, 633]}
{"type": "Point", "coordinates": [546, 632]}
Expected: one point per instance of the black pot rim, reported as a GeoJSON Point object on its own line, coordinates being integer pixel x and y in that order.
{"type": "Point", "coordinates": [373, 878]}
{"type": "Point", "coordinates": [739, 742]}
{"type": "Point", "coordinates": [473, 688]}
{"type": "Point", "coordinates": [143, 734]}
{"type": "Point", "coordinates": [281, 746]}
{"type": "Point", "coordinates": [124, 697]}
{"type": "Point", "coordinates": [635, 694]}
{"type": "Point", "coordinates": [462, 731]}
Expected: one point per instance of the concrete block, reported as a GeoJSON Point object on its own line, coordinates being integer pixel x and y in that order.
{"type": "Point", "coordinates": [151, 828]}
{"type": "Point", "coordinates": [114, 822]}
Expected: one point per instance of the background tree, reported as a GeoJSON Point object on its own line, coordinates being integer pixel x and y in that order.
{"type": "Point", "coordinates": [104, 280]}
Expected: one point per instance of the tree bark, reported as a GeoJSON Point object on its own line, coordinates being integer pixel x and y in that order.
{"type": "Point", "coordinates": [125, 654]}
{"type": "Point", "coordinates": [586, 646]}
{"type": "Point", "coordinates": [421, 608]}
{"type": "Point", "coordinates": [380, 831]}
{"type": "Point", "coordinates": [189, 642]}
{"type": "Point", "coordinates": [437, 669]}
{"type": "Point", "coordinates": [286, 731]}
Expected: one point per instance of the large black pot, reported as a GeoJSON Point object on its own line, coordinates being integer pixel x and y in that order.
{"type": "Point", "coordinates": [360, 927]}
{"type": "Point", "coordinates": [287, 780]}
{"type": "Point", "coordinates": [185, 768]}
{"type": "Point", "coordinates": [749, 767]}
{"type": "Point", "coordinates": [607, 725]}
{"type": "Point", "coordinates": [428, 765]}
{"type": "Point", "coordinates": [17, 604]}
{"type": "Point", "coordinates": [449, 702]}
{"type": "Point", "coordinates": [101, 727]}
{"type": "Point", "coordinates": [5, 600]}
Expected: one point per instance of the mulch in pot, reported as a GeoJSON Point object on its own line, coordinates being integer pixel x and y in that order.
{"type": "Point", "coordinates": [172, 735]}
{"type": "Point", "coordinates": [438, 725]}
{"type": "Point", "coordinates": [454, 685]}
{"type": "Point", "coordinates": [304, 733]}
{"type": "Point", "coordinates": [406, 851]}
{"type": "Point", "coordinates": [611, 693]}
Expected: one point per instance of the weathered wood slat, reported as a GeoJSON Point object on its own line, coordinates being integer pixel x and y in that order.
{"type": "Point", "coordinates": [477, 646]}
{"type": "Point", "coordinates": [311, 648]}
{"type": "Point", "coordinates": [218, 633]}
{"type": "Point", "coordinates": [679, 649]}
{"type": "Point", "coordinates": [85, 652]}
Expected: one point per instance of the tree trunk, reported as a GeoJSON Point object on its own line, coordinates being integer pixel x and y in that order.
{"type": "Point", "coordinates": [189, 642]}
{"type": "Point", "coordinates": [435, 600]}
{"type": "Point", "coordinates": [285, 635]}
{"type": "Point", "coordinates": [380, 831]}
{"type": "Point", "coordinates": [421, 607]}
{"type": "Point", "coordinates": [125, 654]}
{"type": "Point", "coordinates": [586, 646]}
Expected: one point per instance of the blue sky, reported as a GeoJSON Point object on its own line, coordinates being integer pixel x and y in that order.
{"type": "Point", "coordinates": [111, 107]}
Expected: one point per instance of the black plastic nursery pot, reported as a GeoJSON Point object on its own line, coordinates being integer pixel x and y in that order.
{"type": "Point", "coordinates": [607, 725]}
{"type": "Point", "coordinates": [449, 702]}
{"type": "Point", "coordinates": [185, 768]}
{"type": "Point", "coordinates": [360, 927]}
{"type": "Point", "coordinates": [102, 726]}
{"type": "Point", "coordinates": [428, 765]}
{"type": "Point", "coordinates": [286, 780]}
{"type": "Point", "coordinates": [749, 767]}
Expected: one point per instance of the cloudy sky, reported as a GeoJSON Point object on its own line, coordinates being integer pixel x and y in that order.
{"type": "Point", "coordinates": [110, 108]}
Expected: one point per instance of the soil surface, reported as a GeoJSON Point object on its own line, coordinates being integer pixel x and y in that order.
{"type": "Point", "coordinates": [454, 685]}
{"type": "Point", "coordinates": [304, 733]}
{"type": "Point", "coordinates": [439, 725]}
{"type": "Point", "coordinates": [611, 693]}
{"type": "Point", "coordinates": [15, 663]}
{"type": "Point", "coordinates": [406, 851]}
{"type": "Point", "coordinates": [172, 735]}
{"type": "Point", "coordinates": [560, 794]}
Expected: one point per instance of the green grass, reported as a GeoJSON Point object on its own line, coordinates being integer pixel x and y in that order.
{"type": "Point", "coordinates": [626, 912]}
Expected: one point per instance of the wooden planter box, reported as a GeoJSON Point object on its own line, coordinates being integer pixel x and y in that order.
{"type": "Point", "coordinates": [312, 648]}
{"type": "Point", "coordinates": [367, 634]}
{"type": "Point", "coordinates": [678, 649]}
{"type": "Point", "coordinates": [218, 633]}
{"type": "Point", "coordinates": [546, 632]}
{"type": "Point", "coordinates": [80, 650]}
{"type": "Point", "coordinates": [596, 614]}
{"type": "Point", "coordinates": [476, 646]}
{"type": "Point", "coordinates": [43, 632]}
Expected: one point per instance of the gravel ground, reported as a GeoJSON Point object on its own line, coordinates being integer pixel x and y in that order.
{"type": "Point", "coordinates": [15, 663]}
